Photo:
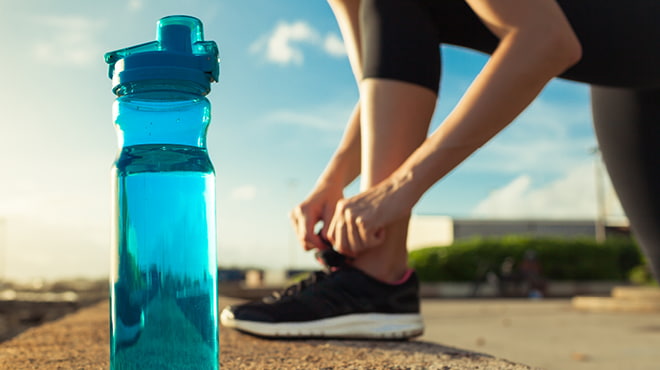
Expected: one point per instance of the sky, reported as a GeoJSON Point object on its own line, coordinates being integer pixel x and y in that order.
{"type": "Point", "coordinates": [284, 96]}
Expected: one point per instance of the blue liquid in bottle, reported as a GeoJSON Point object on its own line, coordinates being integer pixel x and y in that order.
{"type": "Point", "coordinates": [163, 312]}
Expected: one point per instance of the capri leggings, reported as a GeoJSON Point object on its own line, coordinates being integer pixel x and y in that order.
{"type": "Point", "coordinates": [621, 61]}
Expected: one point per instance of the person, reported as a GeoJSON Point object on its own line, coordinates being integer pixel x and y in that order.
{"type": "Point", "coordinates": [393, 48]}
{"type": "Point", "coordinates": [531, 272]}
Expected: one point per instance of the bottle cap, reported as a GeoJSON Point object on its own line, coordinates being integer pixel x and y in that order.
{"type": "Point", "coordinates": [179, 53]}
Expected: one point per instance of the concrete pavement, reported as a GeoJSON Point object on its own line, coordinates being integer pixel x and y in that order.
{"type": "Point", "coordinates": [550, 334]}
{"type": "Point", "coordinates": [460, 334]}
{"type": "Point", "coordinates": [80, 341]}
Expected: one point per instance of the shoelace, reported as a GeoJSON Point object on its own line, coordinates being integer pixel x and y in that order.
{"type": "Point", "coordinates": [329, 257]}
{"type": "Point", "coordinates": [298, 287]}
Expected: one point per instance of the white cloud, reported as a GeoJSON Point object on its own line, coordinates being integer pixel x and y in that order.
{"type": "Point", "coordinates": [334, 46]}
{"type": "Point", "coordinates": [244, 192]}
{"type": "Point", "coordinates": [547, 138]}
{"type": "Point", "coordinates": [284, 44]}
{"type": "Point", "coordinates": [280, 46]}
{"type": "Point", "coordinates": [68, 40]}
{"type": "Point", "coordinates": [573, 196]}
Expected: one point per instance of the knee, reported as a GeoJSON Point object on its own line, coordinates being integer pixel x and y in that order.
{"type": "Point", "coordinates": [566, 46]}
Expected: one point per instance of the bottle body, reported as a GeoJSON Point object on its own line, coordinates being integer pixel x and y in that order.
{"type": "Point", "coordinates": [164, 269]}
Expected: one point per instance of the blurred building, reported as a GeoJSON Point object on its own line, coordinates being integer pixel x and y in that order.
{"type": "Point", "coordinates": [435, 230]}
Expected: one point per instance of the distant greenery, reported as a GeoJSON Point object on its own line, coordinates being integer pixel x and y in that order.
{"type": "Point", "coordinates": [560, 259]}
{"type": "Point", "coordinates": [641, 275]}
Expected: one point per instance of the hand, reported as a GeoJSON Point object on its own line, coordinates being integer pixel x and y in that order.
{"type": "Point", "coordinates": [318, 207]}
{"type": "Point", "coordinates": [359, 222]}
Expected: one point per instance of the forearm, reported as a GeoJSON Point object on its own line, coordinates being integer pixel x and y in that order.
{"type": "Point", "coordinates": [344, 166]}
{"type": "Point", "coordinates": [517, 71]}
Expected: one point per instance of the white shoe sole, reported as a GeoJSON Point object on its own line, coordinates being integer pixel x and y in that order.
{"type": "Point", "coordinates": [363, 325]}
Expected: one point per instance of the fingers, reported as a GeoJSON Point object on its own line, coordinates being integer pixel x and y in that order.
{"type": "Point", "coordinates": [328, 213]}
{"type": "Point", "coordinates": [303, 225]}
{"type": "Point", "coordinates": [333, 235]}
{"type": "Point", "coordinates": [349, 231]}
{"type": "Point", "coordinates": [354, 239]}
{"type": "Point", "coordinates": [348, 224]}
{"type": "Point", "coordinates": [362, 229]}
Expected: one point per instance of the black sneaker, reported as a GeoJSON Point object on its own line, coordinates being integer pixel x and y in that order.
{"type": "Point", "coordinates": [341, 302]}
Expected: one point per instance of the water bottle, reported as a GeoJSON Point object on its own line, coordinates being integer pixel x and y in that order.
{"type": "Point", "coordinates": [163, 299]}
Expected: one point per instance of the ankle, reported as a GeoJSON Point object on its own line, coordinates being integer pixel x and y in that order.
{"type": "Point", "coordinates": [387, 262]}
{"type": "Point", "coordinates": [392, 273]}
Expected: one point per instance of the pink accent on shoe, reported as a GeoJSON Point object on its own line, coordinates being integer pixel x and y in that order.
{"type": "Point", "coordinates": [405, 278]}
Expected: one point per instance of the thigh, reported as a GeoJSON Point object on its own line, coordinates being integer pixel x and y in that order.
{"type": "Point", "coordinates": [401, 38]}
{"type": "Point", "coordinates": [627, 124]}
{"type": "Point", "coordinates": [620, 42]}
{"type": "Point", "coordinates": [399, 42]}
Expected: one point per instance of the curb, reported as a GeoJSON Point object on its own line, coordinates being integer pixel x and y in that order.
{"type": "Point", "coordinates": [80, 341]}
{"type": "Point", "coordinates": [622, 299]}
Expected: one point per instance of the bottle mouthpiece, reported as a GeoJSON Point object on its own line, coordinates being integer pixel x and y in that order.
{"type": "Point", "coordinates": [179, 53]}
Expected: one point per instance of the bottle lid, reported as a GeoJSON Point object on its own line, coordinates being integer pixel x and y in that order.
{"type": "Point", "coordinates": [179, 53]}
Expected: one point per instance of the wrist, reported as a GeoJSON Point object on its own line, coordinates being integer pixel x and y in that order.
{"type": "Point", "coordinates": [404, 184]}
{"type": "Point", "coordinates": [327, 185]}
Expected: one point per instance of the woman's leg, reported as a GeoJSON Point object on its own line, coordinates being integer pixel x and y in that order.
{"type": "Point", "coordinates": [397, 99]}
{"type": "Point", "coordinates": [620, 50]}
{"type": "Point", "coordinates": [395, 120]}
{"type": "Point", "coordinates": [627, 124]}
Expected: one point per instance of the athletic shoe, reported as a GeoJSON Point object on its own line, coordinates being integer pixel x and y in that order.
{"type": "Point", "coordinates": [340, 302]}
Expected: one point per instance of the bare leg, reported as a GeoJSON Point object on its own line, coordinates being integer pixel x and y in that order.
{"type": "Point", "coordinates": [394, 122]}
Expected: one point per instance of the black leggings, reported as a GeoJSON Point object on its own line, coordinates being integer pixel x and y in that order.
{"type": "Point", "coordinates": [621, 60]}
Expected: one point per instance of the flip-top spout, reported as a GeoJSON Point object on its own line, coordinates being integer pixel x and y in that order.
{"type": "Point", "coordinates": [179, 53]}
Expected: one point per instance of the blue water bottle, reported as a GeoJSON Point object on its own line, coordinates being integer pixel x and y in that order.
{"type": "Point", "coordinates": [163, 311]}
